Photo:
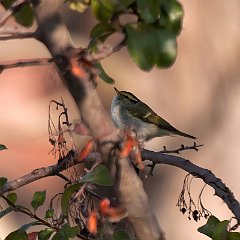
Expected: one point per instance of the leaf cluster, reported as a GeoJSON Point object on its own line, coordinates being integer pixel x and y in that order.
{"type": "Point", "coordinates": [151, 39]}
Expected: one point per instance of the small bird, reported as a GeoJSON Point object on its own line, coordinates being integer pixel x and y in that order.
{"type": "Point", "coordinates": [129, 112]}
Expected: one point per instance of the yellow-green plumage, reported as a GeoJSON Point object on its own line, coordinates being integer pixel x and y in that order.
{"type": "Point", "coordinates": [128, 111]}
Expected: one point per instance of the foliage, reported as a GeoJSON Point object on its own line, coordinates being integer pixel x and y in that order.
{"type": "Point", "coordinates": [218, 230]}
{"type": "Point", "coordinates": [3, 180]}
{"type": "Point", "coordinates": [151, 41]}
{"type": "Point", "coordinates": [120, 235]}
{"type": "Point", "coordinates": [38, 199]}
{"type": "Point", "coordinates": [99, 175]}
{"type": "Point", "coordinates": [24, 15]}
{"type": "Point", "coordinates": [2, 147]}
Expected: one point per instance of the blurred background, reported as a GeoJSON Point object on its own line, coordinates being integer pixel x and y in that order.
{"type": "Point", "coordinates": [199, 94]}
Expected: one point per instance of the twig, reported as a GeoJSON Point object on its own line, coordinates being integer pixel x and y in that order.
{"type": "Point", "coordinates": [11, 11]}
{"type": "Point", "coordinates": [182, 148]}
{"type": "Point", "coordinates": [177, 151]}
{"type": "Point", "coordinates": [79, 193]}
{"type": "Point", "coordinates": [63, 177]}
{"type": "Point", "coordinates": [221, 190]}
{"type": "Point", "coordinates": [105, 51]}
{"type": "Point", "coordinates": [26, 63]}
{"type": "Point", "coordinates": [13, 33]}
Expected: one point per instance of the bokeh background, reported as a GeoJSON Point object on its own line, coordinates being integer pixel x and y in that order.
{"type": "Point", "coordinates": [199, 94]}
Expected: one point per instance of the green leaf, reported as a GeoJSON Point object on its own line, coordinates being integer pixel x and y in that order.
{"type": "Point", "coordinates": [6, 211]}
{"type": "Point", "coordinates": [45, 234]}
{"type": "Point", "coordinates": [7, 3]}
{"type": "Point", "coordinates": [124, 4]}
{"type": "Point", "coordinates": [99, 175]}
{"type": "Point", "coordinates": [49, 213]}
{"type": "Point", "coordinates": [120, 235]}
{"type": "Point", "coordinates": [26, 226]}
{"type": "Point", "coordinates": [103, 75]}
{"type": "Point", "coordinates": [3, 180]}
{"type": "Point", "coordinates": [66, 197]}
{"type": "Point", "coordinates": [66, 232]}
{"type": "Point", "coordinates": [171, 16]}
{"type": "Point", "coordinates": [12, 197]}
{"type": "Point", "coordinates": [17, 235]}
{"type": "Point", "coordinates": [101, 29]}
{"type": "Point", "coordinates": [38, 199]}
{"type": "Point", "coordinates": [209, 227]}
{"type": "Point", "coordinates": [103, 9]}
{"type": "Point", "coordinates": [233, 236]}
{"type": "Point", "coordinates": [166, 48]}
{"type": "Point", "coordinates": [100, 33]}
{"type": "Point", "coordinates": [2, 147]}
{"type": "Point", "coordinates": [149, 45]}
{"type": "Point", "coordinates": [141, 45]}
{"type": "Point", "coordinates": [24, 15]}
{"type": "Point", "coordinates": [149, 10]}
{"type": "Point", "coordinates": [220, 232]}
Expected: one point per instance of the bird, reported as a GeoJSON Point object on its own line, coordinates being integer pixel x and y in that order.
{"type": "Point", "coordinates": [129, 112]}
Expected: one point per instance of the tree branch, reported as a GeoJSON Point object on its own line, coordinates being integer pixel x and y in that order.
{"type": "Point", "coordinates": [182, 148]}
{"type": "Point", "coordinates": [105, 51]}
{"type": "Point", "coordinates": [26, 63]}
{"type": "Point", "coordinates": [7, 33]}
{"type": "Point", "coordinates": [221, 190]}
{"type": "Point", "coordinates": [78, 75]}
{"type": "Point", "coordinates": [52, 170]}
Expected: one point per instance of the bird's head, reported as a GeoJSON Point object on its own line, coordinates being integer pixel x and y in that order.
{"type": "Point", "coordinates": [127, 97]}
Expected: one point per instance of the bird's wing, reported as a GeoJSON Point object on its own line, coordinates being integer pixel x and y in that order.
{"type": "Point", "coordinates": [148, 115]}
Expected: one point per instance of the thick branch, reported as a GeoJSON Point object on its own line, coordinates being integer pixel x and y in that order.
{"type": "Point", "coordinates": [78, 76]}
{"type": "Point", "coordinates": [52, 170]}
{"type": "Point", "coordinates": [221, 190]}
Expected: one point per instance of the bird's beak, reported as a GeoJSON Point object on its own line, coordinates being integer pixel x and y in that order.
{"type": "Point", "coordinates": [118, 93]}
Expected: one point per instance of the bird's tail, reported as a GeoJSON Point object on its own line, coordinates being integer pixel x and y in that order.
{"type": "Point", "coordinates": [185, 135]}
